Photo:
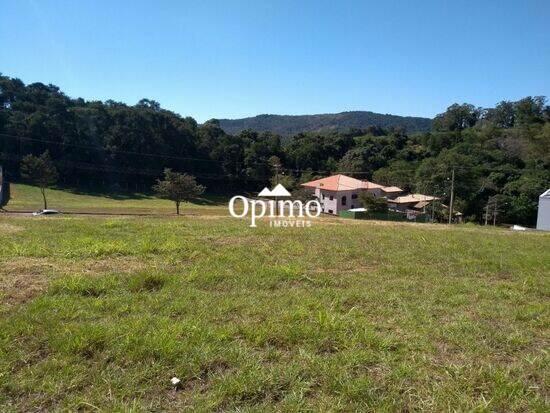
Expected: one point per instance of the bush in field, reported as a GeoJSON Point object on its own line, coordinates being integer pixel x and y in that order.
{"type": "Point", "coordinates": [373, 204]}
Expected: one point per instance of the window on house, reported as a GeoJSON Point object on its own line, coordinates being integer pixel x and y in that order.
{"type": "Point", "coordinates": [331, 197]}
{"type": "Point", "coordinates": [353, 196]}
{"type": "Point", "coordinates": [344, 200]}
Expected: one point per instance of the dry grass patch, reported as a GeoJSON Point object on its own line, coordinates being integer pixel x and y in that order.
{"type": "Point", "coordinates": [23, 278]}
{"type": "Point", "coordinates": [6, 228]}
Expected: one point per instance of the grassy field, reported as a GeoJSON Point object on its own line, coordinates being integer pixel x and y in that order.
{"type": "Point", "coordinates": [98, 313]}
{"type": "Point", "coordinates": [28, 198]}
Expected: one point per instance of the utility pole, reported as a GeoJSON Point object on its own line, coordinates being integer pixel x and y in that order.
{"type": "Point", "coordinates": [277, 183]}
{"type": "Point", "coordinates": [435, 191]}
{"type": "Point", "coordinates": [495, 214]}
{"type": "Point", "coordinates": [275, 163]}
{"type": "Point", "coordinates": [486, 212]}
{"type": "Point", "coordinates": [452, 196]}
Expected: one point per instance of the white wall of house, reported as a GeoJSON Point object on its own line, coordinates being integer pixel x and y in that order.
{"type": "Point", "coordinates": [333, 202]}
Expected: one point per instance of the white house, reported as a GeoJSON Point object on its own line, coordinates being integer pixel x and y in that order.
{"type": "Point", "coordinates": [543, 216]}
{"type": "Point", "coordinates": [340, 192]}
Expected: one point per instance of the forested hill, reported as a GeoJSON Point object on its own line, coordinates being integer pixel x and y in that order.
{"type": "Point", "coordinates": [500, 155]}
{"type": "Point", "coordinates": [287, 125]}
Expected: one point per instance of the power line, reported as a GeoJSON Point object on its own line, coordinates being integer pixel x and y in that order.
{"type": "Point", "coordinates": [85, 166]}
{"type": "Point", "coordinates": [186, 158]}
{"type": "Point", "coordinates": [265, 163]}
{"type": "Point", "coordinates": [109, 150]}
{"type": "Point", "coordinates": [117, 151]}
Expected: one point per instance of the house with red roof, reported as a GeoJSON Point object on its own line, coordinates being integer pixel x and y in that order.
{"type": "Point", "coordinates": [340, 192]}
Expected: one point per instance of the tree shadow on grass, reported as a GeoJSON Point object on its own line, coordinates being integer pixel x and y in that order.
{"type": "Point", "coordinates": [116, 195]}
{"type": "Point", "coordinates": [208, 200]}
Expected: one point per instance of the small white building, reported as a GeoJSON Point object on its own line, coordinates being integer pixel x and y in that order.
{"type": "Point", "coordinates": [543, 216]}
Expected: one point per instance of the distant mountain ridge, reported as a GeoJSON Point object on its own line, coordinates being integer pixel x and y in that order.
{"type": "Point", "coordinates": [288, 125]}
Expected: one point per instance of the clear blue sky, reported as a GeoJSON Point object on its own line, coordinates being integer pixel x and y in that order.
{"type": "Point", "coordinates": [232, 59]}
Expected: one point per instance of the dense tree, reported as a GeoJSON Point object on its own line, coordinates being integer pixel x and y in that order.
{"type": "Point", "coordinates": [372, 203]}
{"type": "Point", "coordinates": [178, 187]}
{"type": "Point", "coordinates": [457, 117]}
{"type": "Point", "coordinates": [503, 115]}
{"type": "Point", "coordinates": [530, 110]}
{"type": "Point", "coordinates": [398, 173]}
{"type": "Point", "coordinates": [279, 175]}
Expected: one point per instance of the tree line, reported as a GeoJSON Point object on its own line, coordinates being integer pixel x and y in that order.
{"type": "Point", "coordinates": [500, 155]}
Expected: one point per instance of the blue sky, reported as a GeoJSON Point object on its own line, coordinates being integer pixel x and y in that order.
{"type": "Point", "coordinates": [217, 59]}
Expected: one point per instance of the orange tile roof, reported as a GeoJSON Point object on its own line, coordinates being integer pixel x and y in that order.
{"type": "Point", "coordinates": [371, 185]}
{"type": "Point", "coordinates": [335, 183]}
{"type": "Point", "coordinates": [341, 183]}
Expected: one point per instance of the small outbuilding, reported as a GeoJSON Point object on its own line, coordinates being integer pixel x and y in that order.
{"type": "Point", "coordinates": [543, 216]}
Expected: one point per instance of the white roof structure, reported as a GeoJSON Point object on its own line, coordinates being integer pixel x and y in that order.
{"type": "Point", "coordinates": [280, 190]}
{"type": "Point", "coordinates": [265, 192]}
{"type": "Point", "coordinates": [407, 199]}
{"type": "Point", "coordinates": [543, 215]}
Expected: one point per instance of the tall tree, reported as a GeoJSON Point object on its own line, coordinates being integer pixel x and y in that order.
{"type": "Point", "coordinates": [530, 110]}
{"type": "Point", "coordinates": [178, 187]}
{"type": "Point", "coordinates": [457, 117]}
{"type": "Point", "coordinates": [503, 115]}
{"type": "Point", "coordinates": [41, 171]}
{"type": "Point", "coordinates": [373, 204]}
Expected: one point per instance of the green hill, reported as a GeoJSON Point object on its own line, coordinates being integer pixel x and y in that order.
{"type": "Point", "coordinates": [288, 125]}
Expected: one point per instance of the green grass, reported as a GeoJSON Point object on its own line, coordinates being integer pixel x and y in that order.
{"type": "Point", "coordinates": [28, 198]}
{"type": "Point", "coordinates": [99, 313]}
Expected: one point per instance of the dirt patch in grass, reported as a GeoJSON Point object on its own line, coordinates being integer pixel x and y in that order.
{"type": "Point", "coordinates": [447, 354]}
{"type": "Point", "coordinates": [123, 265]}
{"type": "Point", "coordinates": [22, 279]}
